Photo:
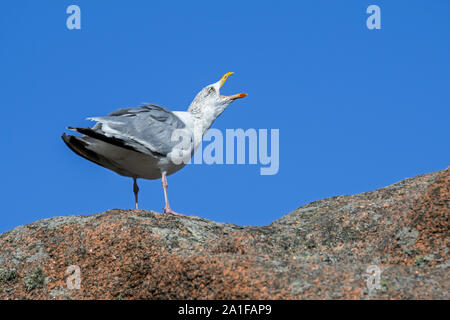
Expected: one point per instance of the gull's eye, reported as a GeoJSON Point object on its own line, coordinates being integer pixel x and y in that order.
{"type": "Point", "coordinates": [211, 90]}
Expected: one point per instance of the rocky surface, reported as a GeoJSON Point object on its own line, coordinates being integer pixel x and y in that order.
{"type": "Point", "coordinates": [320, 251]}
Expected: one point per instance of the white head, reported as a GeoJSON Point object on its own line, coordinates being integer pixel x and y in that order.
{"type": "Point", "coordinates": [209, 103]}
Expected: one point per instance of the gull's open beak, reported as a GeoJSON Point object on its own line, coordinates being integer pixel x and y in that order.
{"type": "Point", "coordinates": [224, 78]}
{"type": "Point", "coordinates": [222, 81]}
{"type": "Point", "coordinates": [237, 96]}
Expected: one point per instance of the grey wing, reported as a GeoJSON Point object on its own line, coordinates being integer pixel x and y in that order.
{"type": "Point", "coordinates": [151, 126]}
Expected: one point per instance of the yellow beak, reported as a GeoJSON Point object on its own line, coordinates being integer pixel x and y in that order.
{"type": "Point", "coordinates": [222, 81]}
{"type": "Point", "coordinates": [238, 96]}
{"type": "Point", "coordinates": [224, 78]}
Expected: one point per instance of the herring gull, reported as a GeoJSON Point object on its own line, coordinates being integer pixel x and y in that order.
{"type": "Point", "coordinates": [139, 142]}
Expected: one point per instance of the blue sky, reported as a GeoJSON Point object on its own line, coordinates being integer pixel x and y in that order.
{"type": "Point", "coordinates": [357, 109]}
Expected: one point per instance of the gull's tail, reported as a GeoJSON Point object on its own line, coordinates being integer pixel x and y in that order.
{"type": "Point", "coordinates": [79, 146]}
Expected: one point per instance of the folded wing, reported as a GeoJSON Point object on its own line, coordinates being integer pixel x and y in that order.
{"type": "Point", "coordinates": [147, 129]}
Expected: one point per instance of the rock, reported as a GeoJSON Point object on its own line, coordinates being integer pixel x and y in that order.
{"type": "Point", "coordinates": [327, 249]}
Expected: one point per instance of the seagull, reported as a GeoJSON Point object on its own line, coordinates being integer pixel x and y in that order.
{"type": "Point", "coordinates": [150, 142]}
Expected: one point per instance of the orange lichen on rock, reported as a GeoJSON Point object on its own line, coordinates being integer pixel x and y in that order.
{"type": "Point", "coordinates": [319, 251]}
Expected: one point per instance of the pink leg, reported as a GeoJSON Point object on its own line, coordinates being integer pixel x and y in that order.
{"type": "Point", "coordinates": [167, 208]}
